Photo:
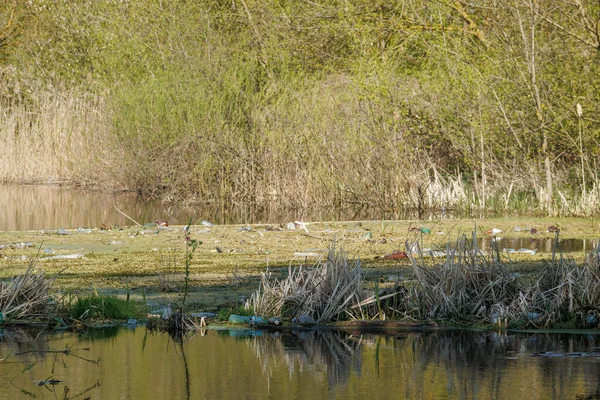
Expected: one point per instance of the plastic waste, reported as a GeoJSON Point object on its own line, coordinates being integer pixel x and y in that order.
{"type": "Point", "coordinates": [166, 312]}
{"type": "Point", "coordinates": [425, 231]}
{"type": "Point", "coordinates": [206, 223]}
{"type": "Point", "coordinates": [64, 257]}
{"type": "Point", "coordinates": [533, 316]}
{"type": "Point", "coordinates": [244, 229]}
{"type": "Point", "coordinates": [204, 315]}
{"type": "Point", "coordinates": [62, 232]}
{"type": "Point", "coordinates": [494, 231]}
{"type": "Point", "coordinates": [132, 321]}
{"type": "Point", "coordinates": [306, 254]}
{"type": "Point", "coordinates": [304, 320]}
{"type": "Point", "coordinates": [302, 225]}
{"type": "Point", "coordinates": [242, 319]}
{"type": "Point", "coordinates": [83, 230]}
{"type": "Point", "coordinates": [527, 251]}
{"type": "Point", "coordinates": [591, 321]}
{"type": "Point", "coordinates": [396, 255]}
{"type": "Point", "coordinates": [290, 226]}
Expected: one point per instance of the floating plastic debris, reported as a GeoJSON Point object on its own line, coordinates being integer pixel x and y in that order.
{"type": "Point", "coordinates": [306, 254]}
{"type": "Point", "coordinates": [64, 257]}
{"type": "Point", "coordinates": [83, 230]}
{"type": "Point", "coordinates": [494, 231]}
{"type": "Point", "coordinates": [20, 245]}
{"type": "Point", "coordinates": [527, 251]}
{"type": "Point", "coordinates": [206, 223]}
{"type": "Point", "coordinates": [396, 255]}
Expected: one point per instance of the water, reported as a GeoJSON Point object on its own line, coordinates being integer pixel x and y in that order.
{"type": "Point", "coordinates": [123, 363]}
{"type": "Point", "coordinates": [31, 207]}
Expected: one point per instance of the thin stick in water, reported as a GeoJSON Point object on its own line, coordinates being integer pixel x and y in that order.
{"type": "Point", "coordinates": [137, 223]}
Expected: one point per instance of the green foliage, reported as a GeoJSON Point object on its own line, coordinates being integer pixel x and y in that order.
{"type": "Point", "coordinates": [325, 102]}
{"type": "Point", "coordinates": [105, 307]}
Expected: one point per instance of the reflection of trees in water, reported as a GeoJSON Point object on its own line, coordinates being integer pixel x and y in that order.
{"type": "Point", "coordinates": [322, 352]}
{"type": "Point", "coordinates": [474, 360]}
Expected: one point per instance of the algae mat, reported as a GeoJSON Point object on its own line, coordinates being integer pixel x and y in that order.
{"type": "Point", "coordinates": [231, 258]}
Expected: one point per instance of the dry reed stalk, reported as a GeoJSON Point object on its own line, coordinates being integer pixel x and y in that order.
{"type": "Point", "coordinates": [325, 291]}
{"type": "Point", "coordinates": [468, 286]}
{"type": "Point", "coordinates": [26, 296]}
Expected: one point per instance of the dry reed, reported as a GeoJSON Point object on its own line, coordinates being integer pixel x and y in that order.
{"type": "Point", "coordinates": [325, 292]}
{"type": "Point", "coordinates": [26, 296]}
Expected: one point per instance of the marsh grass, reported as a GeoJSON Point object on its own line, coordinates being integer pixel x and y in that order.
{"type": "Point", "coordinates": [472, 286]}
{"type": "Point", "coordinates": [105, 307]}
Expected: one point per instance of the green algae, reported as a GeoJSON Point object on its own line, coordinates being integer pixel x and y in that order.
{"type": "Point", "coordinates": [227, 266]}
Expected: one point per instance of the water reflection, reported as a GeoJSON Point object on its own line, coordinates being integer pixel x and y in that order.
{"type": "Point", "coordinates": [31, 207]}
{"type": "Point", "coordinates": [136, 363]}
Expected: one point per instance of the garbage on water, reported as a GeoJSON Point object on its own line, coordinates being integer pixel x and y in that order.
{"type": "Point", "coordinates": [396, 255]}
{"type": "Point", "coordinates": [20, 245]}
{"type": "Point", "coordinates": [132, 321]}
{"type": "Point", "coordinates": [56, 232]}
{"type": "Point", "coordinates": [204, 315]}
{"type": "Point", "coordinates": [83, 230]}
{"type": "Point", "coordinates": [306, 254]}
{"type": "Point", "coordinates": [301, 225]}
{"type": "Point", "coordinates": [275, 321]}
{"type": "Point", "coordinates": [527, 251]}
{"type": "Point", "coordinates": [533, 316]}
{"type": "Point", "coordinates": [64, 257]}
{"type": "Point", "coordinates": [304, 320]}
{"type": "Point", "coordinates": [242, 319]}
{"type": "Point", "coordinates": [494, 231]}
{"type": "Point", "coordinates": [206, 223]}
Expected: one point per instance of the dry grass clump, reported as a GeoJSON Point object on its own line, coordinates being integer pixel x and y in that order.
{"type": "Point", "coordinates": [325, 291]}
{"type": "Point", "coordinates": [468, 286]}
{"type": "Point", "coordinates": [26, 296]}
{"type": "Point", "coordinates": [472, 286]}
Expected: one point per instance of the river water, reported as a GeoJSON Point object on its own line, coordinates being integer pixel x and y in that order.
{"type": "Point", "coordinates": [133, 363]}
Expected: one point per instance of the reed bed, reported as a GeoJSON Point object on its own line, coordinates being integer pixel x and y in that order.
{"type": "Point", "coordinates": [325, 291]}
{"type": "Point", "coordinates": [26, 296]}
{"type": "Point", "coordinates": [471, 286]}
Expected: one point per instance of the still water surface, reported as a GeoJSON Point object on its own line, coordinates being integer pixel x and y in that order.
{"type": "Point", "coordinates": [123, 363]}
{"type": "Point", "coordinates": [30, 207]}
